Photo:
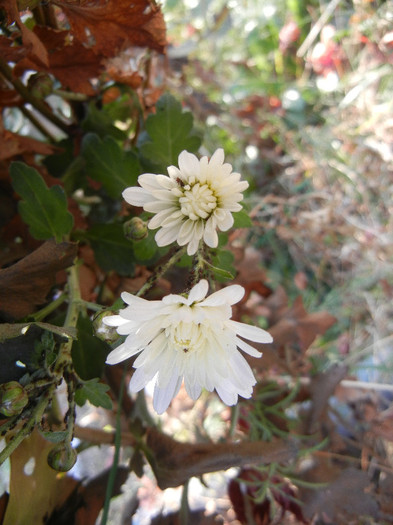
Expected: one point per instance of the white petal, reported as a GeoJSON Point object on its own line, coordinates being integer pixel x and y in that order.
{"type": "Point", "coordinates": [121, 353]}
{"type": "Point", "coordinates": [210, 235]}
{"type": "Point", "coordinates": [225, 222]}
{"type": "Point", "coordinates": [250, 350]}
{"type": "Point", "coordinates": [163, 396]}
{"type": "Point", "coordinates": [253, 333]}
{"type": "Point", "coordinates": [149, 182]}
{"type": "Point", "coordinates": [166, 236]}
{"type": "Point", "coordinates": [193, 390]}
{"type": "Point", "coordinates": [114, 320]}
{"type": "Point", "coordinates": [198, 292]}
{"type": "Point", "coordinates": [136, 196]}
{"type": "Point", "coordinates": [193, 246]}
{"type": "Point", "coordinates": [217, 159]}
{"type": "Point", "coordinates": [139, 380]}
{"type": "Point", "coordinates": [230, 295]}
{"type": "Point", "coordinates": [188, 164]}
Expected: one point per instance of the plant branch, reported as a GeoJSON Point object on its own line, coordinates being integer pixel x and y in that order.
{"type": "Point", "coordinates": [28, 97]}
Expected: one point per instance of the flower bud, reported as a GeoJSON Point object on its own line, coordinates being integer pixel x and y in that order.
{"type": "Point", "coordinates": [62, 457]}
{"type": "Point", "coordinates": [135, 229]}
{"type": "Point", "coordinates": [40, 85]}
{"type": "Point", "coordinates": [102, 330]}
{"type": "Point", "coordinates": [13, 398]}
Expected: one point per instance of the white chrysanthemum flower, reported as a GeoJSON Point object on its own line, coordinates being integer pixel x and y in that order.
{"type": "Point", "coordinates": [192, 339]}
{"type": "Point", "coordinates": [192, 202]}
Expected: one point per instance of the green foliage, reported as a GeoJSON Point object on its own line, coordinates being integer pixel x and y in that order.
{"type": "Point", "coordinates": [111, 249]}
{"type": "Point", "coordinates": [94, 392]}
{"type": "Point", "coordinates": [88, 351]}
{"type": "Point", "coordinates": [43, 209]}
{"type": "Point", "coordinates": [242, 219]}
{"type": "Point", "coordinates": [107, 163]}
{"type": "Point", "coordinates": [170, 131]}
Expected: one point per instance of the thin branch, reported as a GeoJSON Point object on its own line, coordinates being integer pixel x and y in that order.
{"type": "Point", "coordinates": [38, 104]}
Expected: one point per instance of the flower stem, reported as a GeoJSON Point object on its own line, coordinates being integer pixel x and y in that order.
{"type": "Point", "coordinates": [161, 270]}
{"type": "Point", "coordinates": [184, 513]}
{"type": "Point", "coordinates": [112, 473]}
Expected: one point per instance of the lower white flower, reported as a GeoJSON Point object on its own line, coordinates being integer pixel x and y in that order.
{"type": "Point", "coordinates": [192, 202]}
{"type": "Point", "coordinates": [187, 338]}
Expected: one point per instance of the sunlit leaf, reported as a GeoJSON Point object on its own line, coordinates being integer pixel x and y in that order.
{"type": "Point", "coordinates": [107, 163]}
{"type": "Point", "coordinates": [170, 131]}
{"type": "Point", "coordinates": [94, 392]}
{"type": "Point", "coordinates": [43, 209]}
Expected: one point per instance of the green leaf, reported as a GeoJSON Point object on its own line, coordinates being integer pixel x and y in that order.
{"type": "Point", "coordinates": [94, 392]}
{"type": "Point", "coordinates": [145, 249]}
{"type": "Point", "coordinates": [242, 219]}
{"type": "Point", "coordinates": [170, 131]}
{"type": "Point", "coordinates": [100, 122]}
{"type": "Point", "coordinates": [112, 250]}
{"type": "Point", "coordinates": [107, 163]}
{"type": "Point", "coordinates": [43, 209]}
{"type": "Point", "coordinates": [88, 351]}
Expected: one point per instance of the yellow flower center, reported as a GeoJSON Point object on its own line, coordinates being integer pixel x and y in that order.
{"type": "Point", "coordinates": [185, 337]}
{"type": "Point", "coordinates": [197, 202]}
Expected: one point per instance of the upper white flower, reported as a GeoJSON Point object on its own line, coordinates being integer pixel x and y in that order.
{"type": "Point", "coordinates": [192, 202]}
{"type": "Point", "coordinates": [187, 338]}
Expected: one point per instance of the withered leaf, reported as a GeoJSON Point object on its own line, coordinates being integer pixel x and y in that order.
{"type": "Point", "coordinates": [25, 285]}
{"type": "Point", "coordinates": [72, 64]}
{"type": "Point", "coordinates": [30, 40]}
{"type": "Point", "coordinates": [33, 496]}
{"type": "Point", "coordinates": [322, 388]}
{"type": "Point", "coordinates": [12, 144]}
{"type": "Point", "coordinates": [111, 25]}
{"type": "Point", "coordinates": [174, 462]}
{"type": "Point", "coordinates": [345, 499]}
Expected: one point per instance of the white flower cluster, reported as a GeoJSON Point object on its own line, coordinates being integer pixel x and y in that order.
{"type": "Point", "coordinates": [190, 204]}
{"type": "Point", "coordinates": [190, 339]}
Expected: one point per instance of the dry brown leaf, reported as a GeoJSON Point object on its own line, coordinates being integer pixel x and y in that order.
{"type": "Point", "coordinates": [345, 499]}
{"type": "Point", "coordinates": [174, 463]}
{"type": "Point", "coordinates": [25, 285]}
{"type": "Point", "coordinates": [30, 40]}
{"type": "Point", "coordinates": [35, 492]}
{"type": "Point", "coordinates": [322, 387]}
{"type": "Point", "coordinates": [12, 144]}
{"type": "Point", "coordinates": [111, 25]}
{"type": "Point", "coordinates": [72, 64]}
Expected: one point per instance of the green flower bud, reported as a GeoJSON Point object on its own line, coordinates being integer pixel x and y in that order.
{"type": "Point", "coordinates": [103, 331]}
{"type": "Point", "coordinates": [135, 229]}
{"type": "Point", "coordinates": [40, 85]}
{"type": "Point", "coordinates": [62, 457]}
{"type": "Point", "coordinates": [13, 398]}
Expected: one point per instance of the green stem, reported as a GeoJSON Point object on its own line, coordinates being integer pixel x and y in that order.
{"type": "Point", "coordinates": [113, 471]}
{"type": "Point", "coordinates": [74, 308]}
{"type": "Point", "coordinates": [184, 513]}
{"type": "Point", "coordinates": [28, 97]}
{"type": "Point", "coordinates": [161, 270]}
{"type": "Point", "coordinates": [34, 120]}
{"type": "Point", "coordinates": [51, 307]}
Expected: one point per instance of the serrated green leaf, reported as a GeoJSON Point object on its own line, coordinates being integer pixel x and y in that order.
{"type": "Point", "coordinates": [241, 219]}
{"type": "Point", "coordinates": [112, 250]}
{"type": "Point", "coordinates": [88, 351]}
{"type": "Point", "coordinates": [170, 131]}
{"type": "Point", "coordinates": [43, 209]}
{"type": "Point", "coordinates": [94, 392]}
{"type": "Point", "coordinates": [107, 163]}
